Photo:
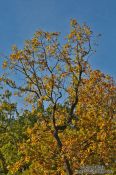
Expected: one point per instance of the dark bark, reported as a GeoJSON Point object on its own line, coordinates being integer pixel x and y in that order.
{"type": "Point", "coordinates": [66, 161]}
{"type": "Point", "coordinates": [58, 139]}
{"type": "Point", "coordinates": [67, 166]}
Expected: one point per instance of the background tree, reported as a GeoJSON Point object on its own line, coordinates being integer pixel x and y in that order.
{"type": "Point", "coordinates": [12, 131]}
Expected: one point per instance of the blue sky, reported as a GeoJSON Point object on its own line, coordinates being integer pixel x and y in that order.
{"type": "Point", "coordinates": [19, 19]}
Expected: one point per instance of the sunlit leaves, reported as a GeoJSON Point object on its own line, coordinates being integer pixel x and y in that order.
{"type": "Point", "coordinates": [4, 65]}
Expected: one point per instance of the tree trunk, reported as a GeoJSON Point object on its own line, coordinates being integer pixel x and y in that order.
{"type": "Point", "coordinates": [67, 166]}
{"type": "Point", "coordinates": [66, 161]}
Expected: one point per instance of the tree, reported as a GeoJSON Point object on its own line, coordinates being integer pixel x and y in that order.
{"type": "Point", "coordinates": [12, 131]}
{"type": "Point", "coordinates": [74, 104]}
{"type": "Point", "coordinates": [7, 139]}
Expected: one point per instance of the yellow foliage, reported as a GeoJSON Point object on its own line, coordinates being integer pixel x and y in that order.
{"type": "Point", "coordinates": [5, 64]}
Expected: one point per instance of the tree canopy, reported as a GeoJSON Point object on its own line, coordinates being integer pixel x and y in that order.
{"type": "Point", "coordinates": [70, 117]}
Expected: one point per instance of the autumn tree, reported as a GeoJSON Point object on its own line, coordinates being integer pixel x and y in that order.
{"type": "Point", "coordinates": [73, 103]}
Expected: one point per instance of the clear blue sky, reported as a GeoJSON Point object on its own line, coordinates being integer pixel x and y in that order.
{"type": "Point", "coordinates": [19, 19]}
